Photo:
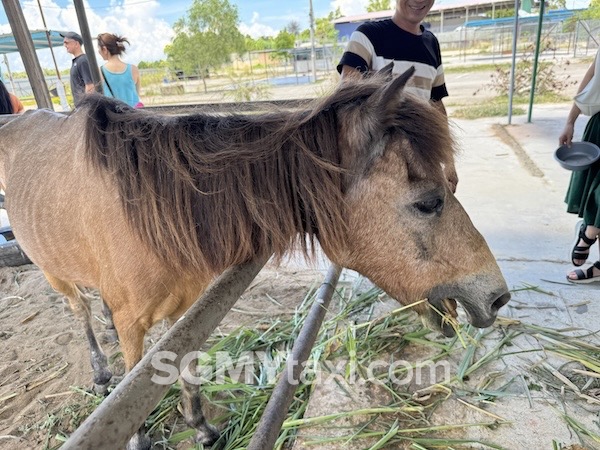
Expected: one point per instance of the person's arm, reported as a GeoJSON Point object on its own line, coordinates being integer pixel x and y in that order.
{"type": "Point", "coordinates": [350, 72]}
{"type": "Point", "coordinates": [566, 136]}
{"type": "Point", "coordinates": [86, 74]}
{"type": "Point", "coordinates": [16, 104]}
{"type": "Point", "coordinates": [137, 79]}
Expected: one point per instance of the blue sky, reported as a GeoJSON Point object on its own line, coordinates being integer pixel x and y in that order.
{"type": "Point", "coordinates": [148, 23]}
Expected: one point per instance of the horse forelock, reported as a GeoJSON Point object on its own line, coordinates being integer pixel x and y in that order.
{"type": "Point", "coordinates": [427, 131]}
{"type": "Point", "coordinates": [208, 191]}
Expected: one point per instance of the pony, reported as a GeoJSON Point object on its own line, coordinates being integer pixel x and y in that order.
{"type": "Point", "coordinates": [150, 208]}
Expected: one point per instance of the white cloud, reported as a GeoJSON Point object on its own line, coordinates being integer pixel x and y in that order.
{"type": "Point", "coordinates": [133, 19]}
{"type": "Point", "coordinates": [257, 29]}
{"type": "Point", "coordinates": [350, 7]}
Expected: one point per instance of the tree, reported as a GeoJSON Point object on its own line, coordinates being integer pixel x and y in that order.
{"type": "Point", "coordinates": [593, 12]}
{"type": "Point", "coordinates": [325, 30]}
{"type": "Point", "coordinates": [284, 40]}
{"type": "Point", "coordinates": [293, 28]}
{"type": "Point", "coordinates": [379, 5]}
{"type": "Point", "coordinates": [261, 43]}
{"type": "Point", "coordinates": [205, 38]}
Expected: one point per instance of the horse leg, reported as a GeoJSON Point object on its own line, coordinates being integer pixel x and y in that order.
{"type": "Point", "coordinates": [131, 339]}
{"type": "Point", "coordinates": [191, 408]}
{"type": "Point", "coordinates": [111, 332]}
{"type": "Point", "coordinates": [80, 305]}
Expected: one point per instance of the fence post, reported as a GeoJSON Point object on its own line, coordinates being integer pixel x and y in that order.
{"type": "Point", "coordinates": [270, 423]}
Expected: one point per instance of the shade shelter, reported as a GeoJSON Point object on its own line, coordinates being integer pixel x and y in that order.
{"type": "Point", "coordinates": [41, 39]}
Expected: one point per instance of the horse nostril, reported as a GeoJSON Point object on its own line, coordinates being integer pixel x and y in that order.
{"type": "Point", "coordinates": [500, 301]}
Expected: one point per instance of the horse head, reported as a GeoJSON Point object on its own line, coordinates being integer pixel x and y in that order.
{"type": "Point", "coordinates": [406, 231]}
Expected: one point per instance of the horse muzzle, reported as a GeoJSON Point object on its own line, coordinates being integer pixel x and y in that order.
{"type": "Point", "coordinates": [481, 297]}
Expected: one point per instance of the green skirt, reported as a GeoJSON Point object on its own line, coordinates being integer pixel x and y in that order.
{"type": "Point", "coordinates": [583, 195]}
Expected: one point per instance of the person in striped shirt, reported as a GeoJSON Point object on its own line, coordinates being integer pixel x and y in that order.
{"type": "Point", "coordinates": [404, 41]}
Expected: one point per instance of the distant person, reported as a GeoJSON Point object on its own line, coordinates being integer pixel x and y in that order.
{"type": "Point", "coordinates": [404, 41]}
{"type": "Point", "coordinates": [583, 194]}
{"type": "Point", "coordinates": [9, 103]}
{"type": "Point", "coordinates": [121, 80]}
{"type": "Point", "coordinates": [81, 76]}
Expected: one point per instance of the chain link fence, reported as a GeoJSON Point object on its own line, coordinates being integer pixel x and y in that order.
{"type": "Point", "coordinates": [566, 38]}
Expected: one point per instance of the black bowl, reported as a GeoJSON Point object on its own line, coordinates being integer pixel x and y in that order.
{"type": "Point", "coordinates": [580, 156]}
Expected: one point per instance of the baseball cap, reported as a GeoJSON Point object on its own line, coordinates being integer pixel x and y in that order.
{"type": "Point", "coordinates": [72, 35]}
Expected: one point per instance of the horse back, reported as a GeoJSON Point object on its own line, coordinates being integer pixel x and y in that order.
{"type": "Point", "coordinates": [52, 195]}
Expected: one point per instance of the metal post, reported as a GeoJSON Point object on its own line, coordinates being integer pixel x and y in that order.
{"type": "Point", "coordinates": [10, 76]}
{"type": "Point", "coordinates": [313, 56]}
{"type": "Point", "coordinates": [270, 423]}
{"type": "Point", "coordinates": [18, 25]}
{"type": "Point", "coordinates": [60, 87]}
{"type": "Point", "coordinates": [122, 413]}
{"type": "Point", "coordinates": [87, 42]}
{"type": "Point", "coordinates": [511, 88]}
{"type": "Point", "coordinates": [535, 60]}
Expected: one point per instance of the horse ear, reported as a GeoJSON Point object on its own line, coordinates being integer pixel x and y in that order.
{"type": "Point", "coordinates": [397, 84]}
{"type": "Point", "coordinates": [385, 100]}
{"type": "Point", "coordinates": [386, 71]}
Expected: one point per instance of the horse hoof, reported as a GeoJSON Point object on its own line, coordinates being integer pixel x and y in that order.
{"type": "Point", "coordinates": [139, 441]}
{"type": "Point", "coordinates": [102, 381]}
{"type": "Point", "coordinates": [101, 389]}
{"type": "Point", "coordinates": [207, 435]}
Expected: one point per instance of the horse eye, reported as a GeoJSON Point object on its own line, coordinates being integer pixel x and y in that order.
{"type": "Point", "coordinates": [431, 206]}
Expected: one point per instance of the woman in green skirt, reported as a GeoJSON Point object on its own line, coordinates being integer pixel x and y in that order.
{"type": "Point", "coordinates": [583, 195]}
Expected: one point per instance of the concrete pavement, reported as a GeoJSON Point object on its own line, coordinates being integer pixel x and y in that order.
{"type": "Point", "coordinates": [514, 191]}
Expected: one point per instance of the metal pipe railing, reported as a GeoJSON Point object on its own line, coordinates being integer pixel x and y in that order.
{"type": "Point", "coordinates": [272, 419]}
{"type": "Point", "coordinates": [124, 411]}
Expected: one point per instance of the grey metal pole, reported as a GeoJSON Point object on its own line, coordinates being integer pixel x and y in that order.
{"type": "Point", "coordinates": [87, 41]}
{"type": "Point", "coordinates": [511, 88]}
{"type": "Point", "coordinates": [270, 423]}
{"type": "Point", "coordinates": [313, 55]}
{"type": "Point", "coordinates": [536, 57]}
{"type": "Point", "coordinates": [122, 413]}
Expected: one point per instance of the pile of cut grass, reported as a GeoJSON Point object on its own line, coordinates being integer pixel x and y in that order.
{"type": "Point", "coordinates": [352, 333]}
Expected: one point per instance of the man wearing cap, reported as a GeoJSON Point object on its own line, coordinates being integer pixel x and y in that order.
{"type": "Point", "coordinates": [80, 77]}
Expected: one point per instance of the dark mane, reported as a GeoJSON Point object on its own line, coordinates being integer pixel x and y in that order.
{"type": "Point", "coordinates": [210, 191]}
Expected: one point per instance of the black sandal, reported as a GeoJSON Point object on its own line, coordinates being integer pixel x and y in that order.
{"type": "Point", "coordinates": [587, 276]}
{"type": "Point", "coordinates": [581, 252]}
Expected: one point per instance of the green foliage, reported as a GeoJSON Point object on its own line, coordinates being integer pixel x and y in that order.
{"type": "Point", "coordinates": [284, 40]}
{"type": "Point", "coordinates": [379, 5]}
{"type": "Point", "coordinates": [262, 43]}
{"type": "Point", "coordinates": [556, 4]}
{"type": "Point", "coordinates": [162, 64]}
{"type": "Point", "coordinates": [593, 12]}
{"type": "Point", "coordinates": [501, 13]}
{"type": "Point", "coordinates": [324, 28]}
{"type": "Point", "coordinates": [497, 108]}
{"type": "Point", "coordinates": [206, 37]}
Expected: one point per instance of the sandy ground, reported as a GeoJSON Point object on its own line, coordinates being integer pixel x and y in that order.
{"type": "Point", "coordinates": [45, 353]}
